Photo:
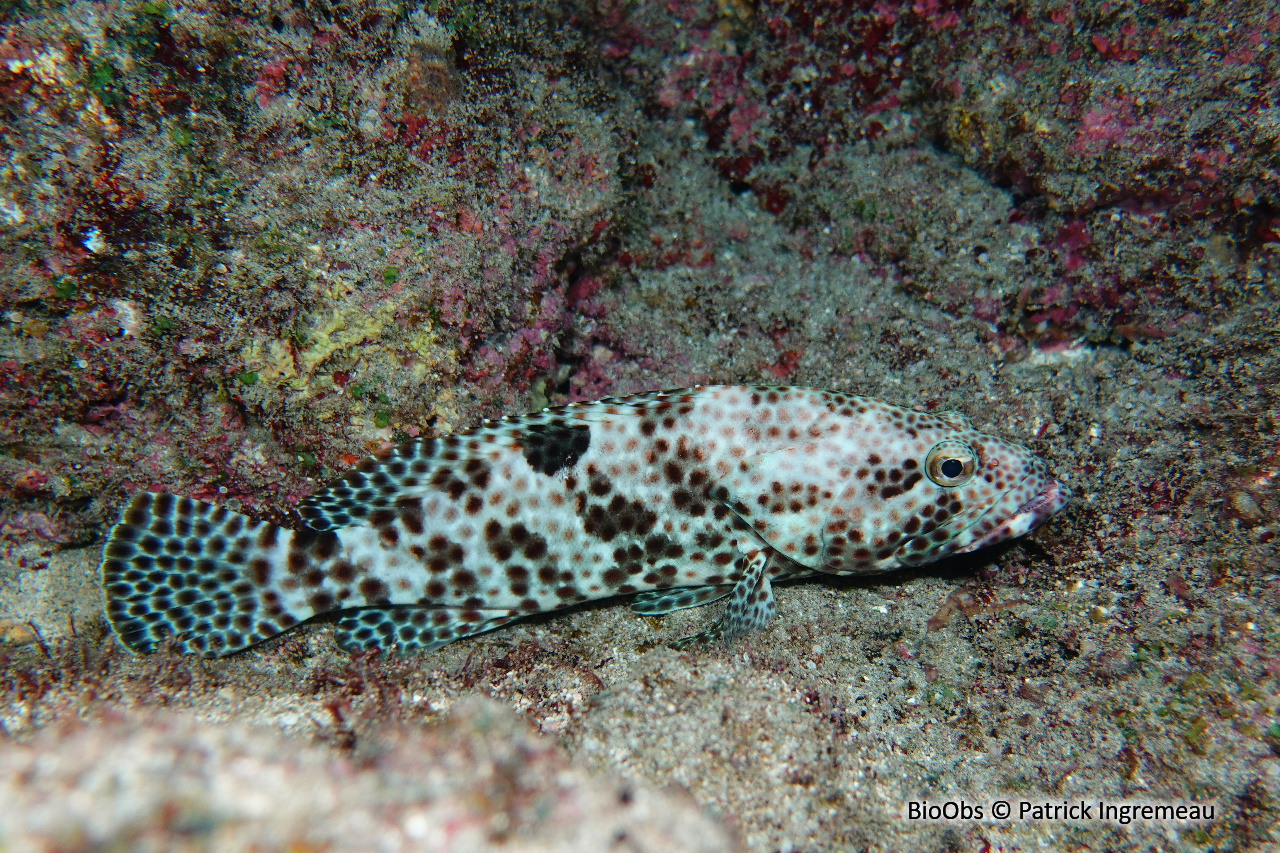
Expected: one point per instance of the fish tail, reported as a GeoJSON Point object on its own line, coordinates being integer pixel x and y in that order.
{"type": "Point", "coordinates": [207, 579]}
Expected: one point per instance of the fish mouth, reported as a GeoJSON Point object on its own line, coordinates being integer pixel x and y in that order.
{"type": "Point", "coordinates": [1042, 506]}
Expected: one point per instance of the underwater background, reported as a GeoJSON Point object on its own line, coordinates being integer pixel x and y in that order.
{"type": "Point", "coordinates": [245, 244]}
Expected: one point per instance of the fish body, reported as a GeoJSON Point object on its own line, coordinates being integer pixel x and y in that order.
{"type": "Point", "coordinates": [679, 498]}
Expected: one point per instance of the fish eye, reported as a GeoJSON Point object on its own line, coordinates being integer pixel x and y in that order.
{"type": "Point", "coordinates": [951, 463]}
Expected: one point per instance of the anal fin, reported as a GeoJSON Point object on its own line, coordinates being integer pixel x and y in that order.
{"type": "Point", "coordinates": [409, 628]}
{"type": "Point", "coordinates": [658, 602]}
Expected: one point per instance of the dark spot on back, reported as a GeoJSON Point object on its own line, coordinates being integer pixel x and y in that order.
{"type": "Point", "coordinates": [373, 590]}
{"type": "Point", "coordinates": [266, 537]}
{"type": "Point", "coordinates": [410, 511]}
{"type": "Point", "coordinates": [551, 447]}
{"type": "Point", "coordinates": [656, 544]}
{"type": "Point", "coordinates": [326, 545]}
{"type": "Point", "coordinates": [535, 548]}
{"type": "Point", "coordinates": [297, 561]}
{"type": "Point", "coordinates": [596, 523]}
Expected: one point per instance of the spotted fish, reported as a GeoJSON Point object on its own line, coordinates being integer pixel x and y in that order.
{"type": "Point", "coordinates": [677, 498]}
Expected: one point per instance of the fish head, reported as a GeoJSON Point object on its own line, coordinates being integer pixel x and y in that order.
{"type": "Point", "coordinates": [935, 487]}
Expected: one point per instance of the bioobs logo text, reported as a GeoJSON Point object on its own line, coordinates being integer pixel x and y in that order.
{"type": "Point", "coordinates": [1122, 813]}
{"type": "Point", "coordinates": [950, 810]}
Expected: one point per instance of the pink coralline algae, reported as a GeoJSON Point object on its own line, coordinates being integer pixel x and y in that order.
{"type": "Point", "coordinates": [1071, 238]}
{"type": "Point", "coordinates": [1103, 126]}
{"type": "Point", "coordinates": [933, 12]}
{"type": "Point", "coordinates": [272, 80]}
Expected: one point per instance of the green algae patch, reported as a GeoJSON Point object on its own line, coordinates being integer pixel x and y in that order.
{"type": "Point", "coordinates": [348, 333]}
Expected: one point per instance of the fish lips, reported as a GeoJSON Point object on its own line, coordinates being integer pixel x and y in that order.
{"type": "Point", "coordinates": [1042, 506]}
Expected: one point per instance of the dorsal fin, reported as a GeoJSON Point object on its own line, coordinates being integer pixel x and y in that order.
{"type": "Point", "coordinates": [550, 439]}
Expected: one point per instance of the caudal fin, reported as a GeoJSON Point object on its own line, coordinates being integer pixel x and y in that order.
{"type": "Point", "coordinates": [210, 579]}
